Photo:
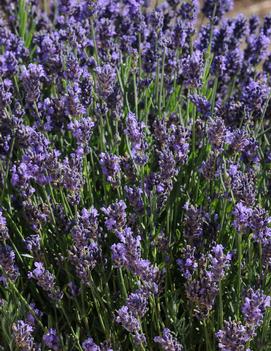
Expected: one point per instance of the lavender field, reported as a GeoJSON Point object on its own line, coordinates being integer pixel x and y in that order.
{"type": "Point", "coordinates": [135, 176]}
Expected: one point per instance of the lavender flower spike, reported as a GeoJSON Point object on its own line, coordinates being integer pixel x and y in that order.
{"type": "Point", "coordinates": [51, 340]}
{"type": "Point", "coordinates": [46, 281]}
{"type": "Point", "coordinates": [254, 307]}
{"type": "Point", "coordinates": [168, 342]}
{"type": "Point", "coordinates": [22, 334]}
{"type": "Point", "coordinates": [233, 337]}
{"type": "Point", "coordinates": [4, 235]}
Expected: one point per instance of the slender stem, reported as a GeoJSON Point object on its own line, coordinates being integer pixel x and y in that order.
{"type": "Point", "coordinates": [162, 82]}
{"type": "Point", "coordinates": [221, 311]}
{"type": "Point", "coordinates": [239, 278]}
{"type": "Point", "coordinates": [206, 336]}
{"type": "Point", "coordinates": [71, 328]}
{"type": "Point", "coordinates": [261, 261]}
{"type": "Point", "coordinates": [98, 308]}
{"type": "Point", "coordinates": [20, 296]}
{"type": "Point", "coordinates": [136, 95]}
{"type": "Point", "coordinates": [123, 286]}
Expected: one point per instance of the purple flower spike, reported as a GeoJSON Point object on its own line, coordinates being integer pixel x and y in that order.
{"type": "Point", "coordinates": [22, 335]}
{"type": "Point", "coordinates": [110, 167]}
{"type": "Point", "coordinates": [82, 131]}
{"type": "Point", "coordinates": [32, 76]}
{"type": "Point", "coordinates": [127, 320]}
{"type": "Point", "coordinates": [115, 216]}
{"type": "Point", "coordinates": [45, 280]}
{"type": "Point", "coordinates": [234, 336]}
{"type": "Point", "coordinates": [7, 262]}
{"type": "Point", "coordinates": [4, 235]}
{"type": "Point", "coordinates": [254, 307]}
{"type": "Point", "coordinates": [215, 9]}
{"type": "Point", "coordinates": [168, 342]}
{"type": "Point", "coordinates": [51, 340]}
{"type": "Point", "coordinates": [89, 345]}
{"type": "Point", "coordinates": [135, 133]}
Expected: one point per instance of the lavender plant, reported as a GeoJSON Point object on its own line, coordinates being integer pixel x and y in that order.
{"type": "Point", "coordinates": [135, 173]}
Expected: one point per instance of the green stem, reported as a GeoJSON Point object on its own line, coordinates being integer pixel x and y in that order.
{"type": "Point", "coordinates": [20, 296]}
{"type": "Point", "coordinates": [136, 95]}
{"type": "Point", "coordinates": [221, 311]}
{"type": "Point", "coordinates": [123, 286]}
{"type": "Point", "coordinates": [239, 278]}
{"type": "Point", "coordinates": [98, 308]}
{"type": "Point", "coordinates": [71, 328]}
{"type": "Point", "coordinates": [206, 336]}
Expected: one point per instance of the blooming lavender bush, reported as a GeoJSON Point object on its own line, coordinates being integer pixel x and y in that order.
{"type": "Point", "coordinates": [135, 176]}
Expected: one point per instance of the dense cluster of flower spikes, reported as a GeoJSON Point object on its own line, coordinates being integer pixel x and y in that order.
{"type": "Point", "coordinates": [135, 176]}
